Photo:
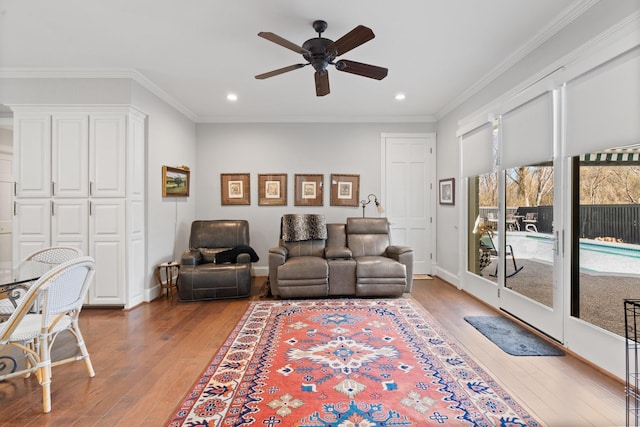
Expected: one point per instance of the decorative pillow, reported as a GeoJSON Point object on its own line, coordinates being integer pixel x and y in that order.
{"type": "Point", "coordinates": [209, 254]}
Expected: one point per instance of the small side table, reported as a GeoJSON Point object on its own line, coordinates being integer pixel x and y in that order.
{"type": "Point", "coordinates": [171, 271]}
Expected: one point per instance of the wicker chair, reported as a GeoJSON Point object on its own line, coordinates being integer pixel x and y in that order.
{"type": "Point", "coordinates": [60, 293]}
{"type": "Point", "coordinates": [54, 255]}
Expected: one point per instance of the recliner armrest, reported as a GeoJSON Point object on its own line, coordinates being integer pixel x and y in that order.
{"type": "Point", "coordinates": [337, 253]}
{"type": "Point", "coordinates": [396, 251]}
{"type": "Point", "coordinates": [191, 258]}
{"type": "Point", "coordinates": [243, 258]}
{"type": "Point", "coordinates": [279, 250]}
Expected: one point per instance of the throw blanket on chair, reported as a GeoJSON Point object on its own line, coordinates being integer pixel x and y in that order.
{"type": "Point", "coordinates": [230, 255]}
{"type": "Point", "coordinates": [297, 227]}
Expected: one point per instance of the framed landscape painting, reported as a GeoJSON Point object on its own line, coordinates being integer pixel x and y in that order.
{"type": "Point", "coordinates": [175, 182]}
{"type": "Point", "coordinates": [234, 188]}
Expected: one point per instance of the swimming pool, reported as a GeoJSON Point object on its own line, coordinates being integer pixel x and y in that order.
{"type": "Point", "coordinates": [596, 257]}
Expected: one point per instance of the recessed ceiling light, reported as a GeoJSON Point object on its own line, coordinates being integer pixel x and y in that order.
{"type": "Point", "coordinates": [232, 97]}
{"type": "Point", "coordinates": [400, 96]}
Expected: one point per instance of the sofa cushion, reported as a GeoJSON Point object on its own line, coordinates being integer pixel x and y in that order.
{"type": "Point", "coordinates": [379, 267]}
{"type": "Point", "coordinates": [367, 236]}
{"type": "Point", "coordinates": [368, 244]}
{"type": "Point", "coordinates": [302, 268]}
{"type": "Point", "coordinates": [305, 248]}
{"type": "Point", "coordinates": [219, 233]}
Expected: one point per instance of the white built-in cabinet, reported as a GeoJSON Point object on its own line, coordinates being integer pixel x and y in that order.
{"type": "Point", "coordinates": [79, 181]}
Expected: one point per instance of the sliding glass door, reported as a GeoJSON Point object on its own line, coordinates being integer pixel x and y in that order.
{"type": "Point", "coordinates": [552, 206]}
{"type": "Point", "coordinates": [531, 219]}
{"type": "Point", "coordinates": [606, 243]}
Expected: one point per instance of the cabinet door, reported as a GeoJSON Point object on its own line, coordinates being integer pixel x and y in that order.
{"type": "Point", "coordinates": [107, 154]}
{"type": "Point", "coordinates": [31, 227]}
{"type": "Point", "coordinates": [107, 247]}
{"type": "Point", "coordinates": [32, 154]}
{"type": "Point", "coordinates": [70, 223]}
{"type": "Point", "coordinates": [70, 155]}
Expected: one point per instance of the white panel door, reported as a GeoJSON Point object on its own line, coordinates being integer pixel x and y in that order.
{"type": "Point", "coordinates": [107, 247]}
{"type": "Point", "coordinates": [70, 223]}
{"type": "Point", "coordinates": [107, 154]}
{"type": "Point", "coordinates": [406, 193]}
{"type": "Point", "coordinates": [6, 208]}
{"type": "Point", "coordinates": [70, 155]}
{"type": "Point", "coordinates": [32, 154]}
{"type": "Point", "coordinates": [31, 227]}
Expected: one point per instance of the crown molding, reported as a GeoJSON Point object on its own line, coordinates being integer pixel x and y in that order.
{"type": "Point", "coordinates": [108, 73]}
{"type": "Point", "coordinates": [570, 14]}
{"type": "Point", "coordinates": [316, 119]}
{"type": "Point", "coordinates": [623, 36]}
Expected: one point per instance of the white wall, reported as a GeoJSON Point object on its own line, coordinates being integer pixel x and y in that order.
{"type": "Point", "coordinates": [587, 27]}
{"type": "Point", "coordinates": [171, 141]}
{"type": "Point", "coordinates": [292, 148]}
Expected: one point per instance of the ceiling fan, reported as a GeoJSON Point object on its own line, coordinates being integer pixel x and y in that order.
{"type": "Point", "coordinates": [321, 52]}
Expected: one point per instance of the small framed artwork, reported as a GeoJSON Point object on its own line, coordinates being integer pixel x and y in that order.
{"type": "Point", "coordinates": [272, 189]}
{"type": "Point", "coordinates": [308, 190]}
{"type": "Point", "coordinates": [345, 190]}
{"type": "Point", "coordinates": [235, 188]}
{"type": "Point", "coordinates": [448, 191]}
{"type": "Point", "coordinates": [175, 182]}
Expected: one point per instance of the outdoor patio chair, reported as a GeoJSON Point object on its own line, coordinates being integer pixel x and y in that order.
{"type": "Point", "coordinates": [59, 293]}
{"type": "Point", "coordinates": [490, 252]}
{"type": "Point", "coordinates": [512, 222]}
{"type": "Point", "coordinates": [54, 255]}
{"type": "Point", "coordinates": [530, 220]}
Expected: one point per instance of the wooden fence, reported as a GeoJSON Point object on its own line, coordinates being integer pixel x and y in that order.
{"type": "Point", "coordinates": [616, 221]}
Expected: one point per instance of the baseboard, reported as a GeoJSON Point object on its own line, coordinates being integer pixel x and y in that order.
{"type": "Point", "coordinates": [454, 279]}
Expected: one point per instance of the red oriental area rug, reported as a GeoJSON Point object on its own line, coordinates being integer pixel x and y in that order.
{"type": "Point", "coordinates": [347, 363]}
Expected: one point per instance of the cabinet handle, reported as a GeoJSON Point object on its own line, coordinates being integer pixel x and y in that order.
{"type": "Point", "coordinates": [90, 208]}
{"type": "Point", "coordinates": [15, 208]}
{"type": "Point", "coordinates": [91, 188]}
{"type": "Point", "coordinates": [53, 210]}
{"type": "Point", "coordinates": [15, 188]}
{"type": "Point", "coordinates": [53, 188]}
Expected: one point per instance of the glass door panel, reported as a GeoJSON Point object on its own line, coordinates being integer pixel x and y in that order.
{"type": "Point", "coordinates": [483, 212]}
{"type": "Point", "coordinates": [606, 236]}
{"type": "Point", "coordinates": [528, 245]}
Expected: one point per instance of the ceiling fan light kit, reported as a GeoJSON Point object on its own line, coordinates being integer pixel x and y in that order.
{"type": "Point", "coordinates": [320, 52]}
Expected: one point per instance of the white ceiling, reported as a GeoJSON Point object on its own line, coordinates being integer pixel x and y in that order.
{"type": "Point", "coordinates": [194, 52]}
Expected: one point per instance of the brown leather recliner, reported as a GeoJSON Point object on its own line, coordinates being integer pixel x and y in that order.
{"type": "Point", "coordinates": [381, 268]}
{"type": "Point", "coordinates": [297, 267]}
{"type": "Point", "coordinates": [201, 277]}
{"type": "Point", "coordinates": [355, 259]}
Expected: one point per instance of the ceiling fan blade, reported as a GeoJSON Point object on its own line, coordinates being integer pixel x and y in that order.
{"type": "Point", "coordinates": [351, 40]}
{"type": "Point", "coordinates": [322, 83]}
{"type": "Point", "coordinates": [279, 71]}
{"type": "Point", "coordinates": [282, 42]}
{"type": "Point", "coordinates": [361, 69]}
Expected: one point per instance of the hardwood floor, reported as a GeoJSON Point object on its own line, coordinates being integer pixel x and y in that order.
{"type": "Point", "coordinates": [148, 358]}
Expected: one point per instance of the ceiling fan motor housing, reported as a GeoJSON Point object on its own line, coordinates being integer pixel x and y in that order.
{"type": "Point", "coordinates": [318, 56]}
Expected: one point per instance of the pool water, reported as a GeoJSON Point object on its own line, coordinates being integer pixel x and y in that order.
{"type": "Point", "coordinates": [596, 257]}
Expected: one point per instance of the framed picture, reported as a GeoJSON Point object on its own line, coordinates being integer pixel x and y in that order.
{"type": "Point", "coordinates": [448, 191]}
{"type": "Point", "coordinates": [272, 189]}
{"type": "Point", "coordinates": [345, 190]}
{"type": "Point", "coordinates": [235, 189]}
{"type": "Point", "coordinates": [308, 190]}
{"type": "Point", "coordinates": [175, 182]}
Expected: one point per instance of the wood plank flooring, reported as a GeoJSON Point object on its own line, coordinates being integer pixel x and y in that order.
{"type": "Point", "coordinates": [148, 358]}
